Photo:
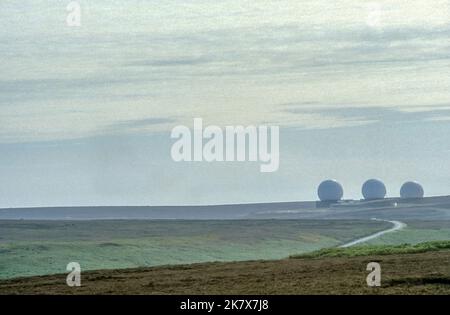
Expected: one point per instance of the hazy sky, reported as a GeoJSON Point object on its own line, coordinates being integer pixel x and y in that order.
{"type": "Point", "coordinates": [359, 89]}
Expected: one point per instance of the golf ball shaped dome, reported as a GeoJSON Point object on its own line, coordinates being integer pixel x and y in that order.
{"type": "Point", "coordinates": [411, 190]}
{"type": "Point", "coordinates": [373, 189]}
{"type": "Point", "coordinates": [330, 190]}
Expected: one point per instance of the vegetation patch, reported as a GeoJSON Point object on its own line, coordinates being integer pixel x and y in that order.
{"type": "Point", "coordinates": [364, 250]}
{"type": "Point", "coordinates": [416, 281]}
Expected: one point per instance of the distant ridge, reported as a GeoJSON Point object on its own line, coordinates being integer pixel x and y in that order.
{"type": "Point", "coordinates": [390, 208]}
{"type": "Point", "coordinates": [229, 211]}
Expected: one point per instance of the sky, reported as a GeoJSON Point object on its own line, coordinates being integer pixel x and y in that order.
{"type": "Point", "coordinates": [359, 89]}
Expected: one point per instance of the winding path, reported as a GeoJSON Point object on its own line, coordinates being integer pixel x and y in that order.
{"type": "Point", "coordinates": [397, 226]}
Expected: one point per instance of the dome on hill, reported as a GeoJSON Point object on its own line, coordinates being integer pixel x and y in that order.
{"type": "Point", "coordinates": [411, 190]}
{"type": "Point", "coordinates": [330, 190]}
{"type": "Point", "coordinates": [373, 189]}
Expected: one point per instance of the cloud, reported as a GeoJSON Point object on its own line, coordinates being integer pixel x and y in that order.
{"type": "Point", "coordinates": [144, 61]}
{"type": "Point", "coordinates": [140, 123]}
{"type": "Point", "coordinates": [175, 62]}
{"type": "Point", "coordinates": [348, 116]}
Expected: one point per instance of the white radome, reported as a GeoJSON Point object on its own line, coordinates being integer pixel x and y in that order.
{"type": "Point", "coordinates": [411, 190]}
{"type": "Point", "coordinates": [373, 189]}
{"type": "Point", "coordinates": [330, 190]}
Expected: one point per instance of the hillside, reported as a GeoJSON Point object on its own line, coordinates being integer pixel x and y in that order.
{"type": "Point", "coordinates": [420, 269]}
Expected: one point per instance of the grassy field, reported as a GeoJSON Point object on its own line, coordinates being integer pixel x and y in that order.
{"type": "Point", "coordinates": [30, 248]}
{"type": "Point", "coordinates": [416, 232]}
{"type": "Point", "coordinates": [370, 250]}
{"type": "Point", "coordinates": [421, 269]}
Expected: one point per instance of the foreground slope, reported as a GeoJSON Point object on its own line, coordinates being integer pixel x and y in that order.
{"type": "Point", "coordinates": [423, 269]}
{"type": "Point", "coordinates": [46, 247]}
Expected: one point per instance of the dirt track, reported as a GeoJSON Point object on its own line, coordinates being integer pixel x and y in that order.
{"type": "Point", "coordinates": [397, 225]}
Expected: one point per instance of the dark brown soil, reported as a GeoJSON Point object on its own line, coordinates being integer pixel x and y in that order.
{"type": "Point", "coordinates": [424, 273]}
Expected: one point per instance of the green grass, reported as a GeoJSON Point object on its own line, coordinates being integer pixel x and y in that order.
{"type": "Point", "coordinates": [377, 250]}
{"type": "Point", "coordinates": [416, 232]}
{"type": "Point", "coordinates": [45, 247]}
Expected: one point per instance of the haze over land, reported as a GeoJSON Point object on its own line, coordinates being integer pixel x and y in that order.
{"type": "Point", "coordinates": [360, 90]}
{"type": "Point", "coordinates": [430, 208]}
